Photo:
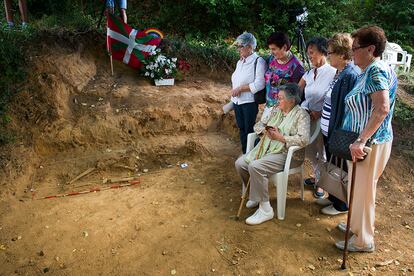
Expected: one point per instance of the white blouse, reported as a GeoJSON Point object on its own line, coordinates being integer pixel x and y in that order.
{"type": "Point", "coordinates": [244, 74]}
{"type": "Point", "coordinates": [315, 89]}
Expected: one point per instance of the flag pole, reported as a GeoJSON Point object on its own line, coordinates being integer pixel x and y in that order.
{"type": "Point", "coordinates": [112, 64]}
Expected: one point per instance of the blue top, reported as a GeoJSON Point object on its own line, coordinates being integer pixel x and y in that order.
{"type": "Point", "coordinates": [358, 104]}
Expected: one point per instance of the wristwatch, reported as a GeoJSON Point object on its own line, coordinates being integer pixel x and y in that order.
{"type": "Point", "coordinates": [360, 141]}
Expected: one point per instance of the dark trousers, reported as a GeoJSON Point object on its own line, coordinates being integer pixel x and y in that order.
{"type": "Point", "coordinates": [245, 118]}
{"type": "Point", "coordinates": [337, 203]}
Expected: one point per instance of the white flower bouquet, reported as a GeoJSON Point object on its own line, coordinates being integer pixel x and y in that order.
{"type": "Point", "coordinates": [159, 67]}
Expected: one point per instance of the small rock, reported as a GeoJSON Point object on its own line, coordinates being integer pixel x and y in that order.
{"type": "Point", "coordinates": [145, 170]}
{"type": "Point", "coordinates": [45, 270]}
{"type": "Point", "coordinates": [408, 227]}
{"type": "Point", "coordinates": [213, 270]}
{"type": "Point", "coordinates": [164, 252]}
{"type": "Point", "coordinates": [41, 253]}
{"type": "Point", "coordinates": [41, 167]}
{"type": "Point", "coordinates": [298, 225]}
{"type": "Point", "coordinates": [396, 262]}
{"type": "Point", "coordinates": [84, 104]}
{"type": "Point", "coordinates": [410, 269]}
{"type": "Point", "coordinates": [92, 105]}
{"type": "Point", "coordinates": [57, 259]}
{"type": "Point", "coordinates": [385, 263]}
{"type": "Point", "coordinates": [311, 267]}
{"type": "Point", "coordinates": [318, 219]}
{"type": "Point", "coordinates": [173, 272]}
{"type": "Point", "coordinates": [373, 269]}
{"type": "Point", "coordinates": [2, 247]}
{"type": "Point", "coordinates": [328, 229]}
{"type": "Point", "coordinates": [47, 226]}
{"type": "Point", "coordinates": [85, 234]}
{"type": "Point", "coordinates": [350, 273]}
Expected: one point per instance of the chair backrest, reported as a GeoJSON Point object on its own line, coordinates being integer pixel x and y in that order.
{"type": "Point", "coordinates": [316, 131]}
{"type": "Point", "coordinates": [394, 54]}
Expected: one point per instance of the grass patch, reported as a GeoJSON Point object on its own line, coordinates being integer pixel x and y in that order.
{"type": "Point", "coordinates": [403, 113]}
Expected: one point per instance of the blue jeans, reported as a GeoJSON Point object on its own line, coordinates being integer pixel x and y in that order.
{"type": "Point", "coordinates": [245, 118]}
{"type": "Point", "coordinates": [122, 4]}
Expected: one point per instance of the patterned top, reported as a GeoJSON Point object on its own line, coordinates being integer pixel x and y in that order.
{"type": "Point", "coordinates": [294, 126]}
{"type": "Point", "coordinates": [326, 109]}
{"type": "Point", "coordinates": [358, 104]}
{"type": "Point", "coordinates": [278, 74]}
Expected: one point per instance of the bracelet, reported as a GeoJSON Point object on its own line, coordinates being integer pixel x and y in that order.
{"type": "Point", "coordinates": [360, 141]}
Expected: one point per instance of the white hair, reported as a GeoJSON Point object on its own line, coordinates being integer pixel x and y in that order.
{"type": "Point", "coordinates": [246, 39]}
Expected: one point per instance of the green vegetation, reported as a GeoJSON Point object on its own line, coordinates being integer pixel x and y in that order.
{"type": "Point", "coordinates": [208, 27]}
{"type": "Point", "coordinates": [404, 113]}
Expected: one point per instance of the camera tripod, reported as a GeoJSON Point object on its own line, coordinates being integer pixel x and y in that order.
{"type": "Point", "coordinates": [301, 45]}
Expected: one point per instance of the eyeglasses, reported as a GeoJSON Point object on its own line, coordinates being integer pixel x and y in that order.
{"type": "Point", "coordinates": [358, 47]}
{"type": "Point", "coordinates": [239, 46]}
{"type": "Point", "coordinates": [330, 53]}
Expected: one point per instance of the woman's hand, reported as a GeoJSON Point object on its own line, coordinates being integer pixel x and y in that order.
{"type": "Point", "coordinates": [357, 151]}
{"type": "Point", "coordinates": [315, 115]}
{"type": "Point", "coordinates": [236, 92]}
{"type": "Point", "coordinates": [274, 134]}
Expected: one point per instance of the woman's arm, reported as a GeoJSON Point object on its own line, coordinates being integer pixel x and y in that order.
{"type": "Point", "coordinates": [301, 138]}
{"type": "Point", "coordinates": [380, 110]}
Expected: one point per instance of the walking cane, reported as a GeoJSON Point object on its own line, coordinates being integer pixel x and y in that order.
{"type": "Point", "coordinates": [243, 198]}
{"type": "Point", "coordinates": [351, 197]}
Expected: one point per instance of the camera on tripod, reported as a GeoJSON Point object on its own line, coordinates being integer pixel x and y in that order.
{"type": "Point", "coordinates": [301, 16]}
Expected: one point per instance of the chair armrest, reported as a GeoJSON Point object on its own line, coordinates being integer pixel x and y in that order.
{"type": "Point", "coordinates": [250, 141]}
{"type": "Point", "coordinates": [291, 151]}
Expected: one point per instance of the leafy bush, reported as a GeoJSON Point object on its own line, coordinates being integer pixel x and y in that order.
{"type": "Point", "coordinates": [403, 113]}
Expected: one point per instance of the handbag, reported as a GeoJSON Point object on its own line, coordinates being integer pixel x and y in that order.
{"type": "Point", "coordinates": [334, 180]}
{"type": "Point", "coordinates": [339, 142]}
{"type": "Point", "coordinates": [259, 96]}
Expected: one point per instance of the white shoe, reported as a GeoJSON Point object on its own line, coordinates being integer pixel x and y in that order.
{"type": "Point", "coordinates": [331, 211]}
{"type": "Point", "coordinates": [323, 202]}
{"type": "Point", "coordinates": [259, 217]}
{"type": "Point", "coordinates": [251, 204]}
{"type": "Point", "coordinates": [341, 226]}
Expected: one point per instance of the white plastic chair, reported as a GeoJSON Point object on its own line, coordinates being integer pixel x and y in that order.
{"type": "Point", "coordinates": [407, 64]}
{"type": "Point", "coordinates": [280, 179]}
{"type": "Point", "coordinates": [394, 56]}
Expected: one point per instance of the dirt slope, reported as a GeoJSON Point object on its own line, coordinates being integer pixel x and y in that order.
{"type": "Point", "coordinates": [73, 116]}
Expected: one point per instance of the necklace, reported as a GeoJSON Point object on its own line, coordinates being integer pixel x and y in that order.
{"type": "Point", "coordinates": [286, 59]}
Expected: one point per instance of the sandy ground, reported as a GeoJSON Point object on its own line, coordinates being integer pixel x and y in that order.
{"type": "Point", "coordinates": [177, 221]}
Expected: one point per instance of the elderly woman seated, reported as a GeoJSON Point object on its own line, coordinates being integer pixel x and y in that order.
{"type": "Point", "coordinates": [287, 125]}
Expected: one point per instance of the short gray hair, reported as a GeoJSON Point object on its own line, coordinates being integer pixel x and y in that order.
{"type": "Point", "coordinates": [246, 39]}
{"type": "Point", "coordinates": [292, 91]}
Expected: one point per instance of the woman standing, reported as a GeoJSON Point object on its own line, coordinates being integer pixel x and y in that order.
{"type": "Point", "coordinates": [339, 55]}
{"type": "Point", "coordinates": [315, 83]}
{"type": "Point", "coordinates": [368, 111]}
{"type": "Point", "coordinates": [247, 79]}
{"type": "Point", "coordinates": [284, 67]}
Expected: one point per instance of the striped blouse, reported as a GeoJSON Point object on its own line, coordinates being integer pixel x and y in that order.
{"type": "Point", "coordinates": [326, 109]}
{"type": "Point", "coordinates": [358, 104]}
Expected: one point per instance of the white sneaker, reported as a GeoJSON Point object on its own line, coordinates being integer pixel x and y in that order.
{"type": "Point", "coordinates": [259, 217]}
{"type": "Point", "coordinates": [251, 204]}
{"type": "Point", "coordinates": [331, 211]}
{"type": "Point", "coordinates": [323, 202]}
